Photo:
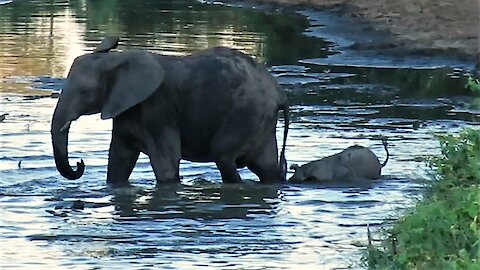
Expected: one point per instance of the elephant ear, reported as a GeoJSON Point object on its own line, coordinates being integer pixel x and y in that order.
{"type": "Point", "coordinates": [137, 75]}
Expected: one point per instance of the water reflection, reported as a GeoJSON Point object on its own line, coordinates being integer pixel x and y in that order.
{"type": "Point", "coordinates": [37, 39]}
{"type": "Point", "coordinates": [43, 37]}
{"type": "Point", "coordinates": [206, 201]}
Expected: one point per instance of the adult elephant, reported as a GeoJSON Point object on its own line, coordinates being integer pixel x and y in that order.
{"type": "Point", "coordinates": [216, 105]}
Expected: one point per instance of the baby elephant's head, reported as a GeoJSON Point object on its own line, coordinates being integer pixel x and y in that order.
{"type": "Point", "coordinates": [294, 167]}
{"type": "Point", "coordinates": [297, 176]}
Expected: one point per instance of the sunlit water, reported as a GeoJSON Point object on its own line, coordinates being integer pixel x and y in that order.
{"type": "Point", "coordinates": [336, 101]}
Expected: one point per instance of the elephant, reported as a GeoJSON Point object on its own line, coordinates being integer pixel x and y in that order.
{"type": "Point", "coordinates": [216, 105]}
{"type": "Point", "coordinates": [354, 163]}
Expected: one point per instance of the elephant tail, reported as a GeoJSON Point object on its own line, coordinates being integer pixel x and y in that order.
{"type": "Point", "coordinates": [385, 144]}
{"type": "Point", "coordinates": [283, 162]}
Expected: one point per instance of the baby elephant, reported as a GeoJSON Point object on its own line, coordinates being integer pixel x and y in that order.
{"type": "Point", "coordinates": [354, 163]}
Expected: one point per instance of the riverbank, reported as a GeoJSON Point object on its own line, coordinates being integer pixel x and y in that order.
{"type": "Point", "coordinates": [448, 28]}
{"type": "Point", "coordinates": [442, 231]}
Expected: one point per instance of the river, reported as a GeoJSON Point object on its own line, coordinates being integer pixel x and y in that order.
{"type": "Point", "coordinates": [338, 98]}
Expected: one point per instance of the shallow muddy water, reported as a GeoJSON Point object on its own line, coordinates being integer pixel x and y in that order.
{"type": "Point", "coordinates": [337, 99]}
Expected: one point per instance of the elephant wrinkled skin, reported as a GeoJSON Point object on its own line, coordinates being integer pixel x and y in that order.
{"type": "Point", "coordinates": [215, 105]}
{"type": "Point", "coordinates": [354, 163]}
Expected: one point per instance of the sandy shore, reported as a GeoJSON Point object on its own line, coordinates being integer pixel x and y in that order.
{"type": "Point", "coordinates": [429, 27]}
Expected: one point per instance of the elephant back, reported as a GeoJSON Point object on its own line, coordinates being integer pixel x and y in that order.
{"type": "Point", "coordinates": [363, 161]}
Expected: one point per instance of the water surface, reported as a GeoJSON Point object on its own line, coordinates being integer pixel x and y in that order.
{"type": "Point", "coordinates": [337, 99]}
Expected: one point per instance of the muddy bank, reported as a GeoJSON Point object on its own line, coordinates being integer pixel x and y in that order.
{"type": "Point", "coordinates": [448, 28]}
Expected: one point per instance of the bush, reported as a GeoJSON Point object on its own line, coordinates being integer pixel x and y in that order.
{"type": "Point", "coordinates": [473, 85]}
{"type": "Point", "coordinates": [442, 231]}
{"type": "Point", "coordinates": [459, 163]}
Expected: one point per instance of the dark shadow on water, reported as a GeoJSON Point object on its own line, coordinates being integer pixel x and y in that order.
{"type": "Point", "coordinates": [356, 186]}
{"type": "Point", "coordinates": [206, 202]}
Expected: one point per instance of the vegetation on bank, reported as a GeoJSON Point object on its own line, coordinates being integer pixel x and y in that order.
{"type": "Point", "coordinates": [442, 231]}
{"type": "Point", "coordinates": [473, 85]}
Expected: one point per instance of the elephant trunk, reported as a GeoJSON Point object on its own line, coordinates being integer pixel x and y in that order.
{"type": "Point", "coordinates": [59, 132]}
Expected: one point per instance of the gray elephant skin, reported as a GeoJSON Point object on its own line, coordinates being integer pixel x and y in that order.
{"type": "Point", "coordinates": [354, 163]}
{"type": "Point", "coordinates": [217, 105]}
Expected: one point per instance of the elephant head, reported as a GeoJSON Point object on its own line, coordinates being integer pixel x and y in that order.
{"type": "Point", "coordinates": [102, 81]}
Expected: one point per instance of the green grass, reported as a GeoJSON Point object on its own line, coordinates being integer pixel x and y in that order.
{"type": "Point", "coordinates": [473, 85]}
{"type": "Point", "coordinates": [442, 230]}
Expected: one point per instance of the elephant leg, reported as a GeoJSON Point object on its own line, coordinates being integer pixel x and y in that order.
{"type": "Point", "coordinates": [227, 143]}
{"type": "Point", "coordinates": [265, 164]}
{"type": "Point", "coordinates": [121, 161]}
{"type": "Point", "coordinates": [224, 157]}
{"type": "Point", "coordinates": [166, 167]}
{"type": "Point", "coordinates": [165, 154]}
{"type": "Point", "coordinates": [228, 170]}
